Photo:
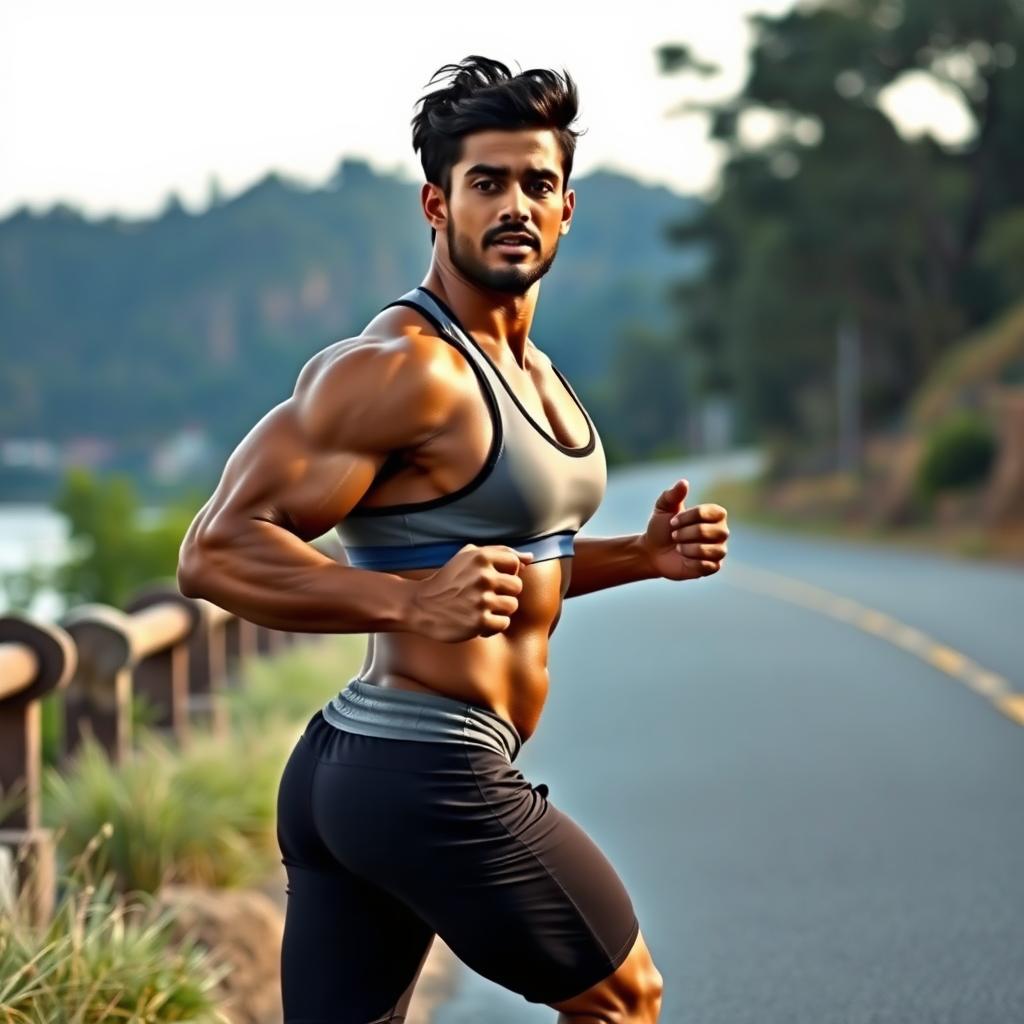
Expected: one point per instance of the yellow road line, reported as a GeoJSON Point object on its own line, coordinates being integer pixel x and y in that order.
{"type": "Point", "coordinates": [1012, 706]}
{"type": "Point", "coordinates": [994, 687]}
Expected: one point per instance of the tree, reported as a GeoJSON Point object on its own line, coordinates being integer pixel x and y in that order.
{"type": "Point", "coordinates": [833, 213]}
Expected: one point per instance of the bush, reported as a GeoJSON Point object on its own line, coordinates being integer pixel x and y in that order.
{"type": "Point", "coordinates": [293, 684]}
{"type": "Point", "coordinates": [959, 453]}
{"type": "Point", "coordinates": [103, 957]}
{"type": "Point", "coordinates": [204, 815]}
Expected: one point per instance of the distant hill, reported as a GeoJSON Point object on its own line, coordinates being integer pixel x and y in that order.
{"type": "Point", "coordinates": [129, 329]}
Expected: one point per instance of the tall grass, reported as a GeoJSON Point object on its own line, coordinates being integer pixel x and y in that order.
{"type": "Point", "coordinates": [291, 685]}
{"type": "Point", "coordinates": [103, 957]}
{"type": "Point", "coordinates": [203, 815]}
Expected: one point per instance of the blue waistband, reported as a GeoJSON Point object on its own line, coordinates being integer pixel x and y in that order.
{"type": "Point", "coordinates": [421, 556]}
{"type": "Point", "coordinates": [372, 710]}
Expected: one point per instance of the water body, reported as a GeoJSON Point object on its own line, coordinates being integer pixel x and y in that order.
{"type": "Point", "coordinates": [36, 534]}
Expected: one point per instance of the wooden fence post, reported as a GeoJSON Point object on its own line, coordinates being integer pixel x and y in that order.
{"type": "Point", "coordinates": [240, 637]}
{"type": "Point", "coordinates": [111, 644]}
{"type": "Point", "coordinates": [162, 677]}
{"type": "Point", "coordinates": [98, 700]}
{"type": "Point", "coordinates": [208, 667]}
{"type": "Point", "coordinates": [35, 659]}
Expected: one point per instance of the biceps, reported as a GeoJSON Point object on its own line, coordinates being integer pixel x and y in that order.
{"type": "Point", "coordinates": [324, 489]}
{"type": "Point", "coordinates": [276, 475]}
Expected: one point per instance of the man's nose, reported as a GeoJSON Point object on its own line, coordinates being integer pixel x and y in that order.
{"type": "Point", "coordinates": [518, 205]}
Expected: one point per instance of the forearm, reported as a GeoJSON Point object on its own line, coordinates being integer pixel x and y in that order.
{"type": "Point", "coordinates": [271, 577]}
{"type": "Point", "coordinates": [601, 562]}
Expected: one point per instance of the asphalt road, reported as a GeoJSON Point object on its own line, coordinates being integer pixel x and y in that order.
{"type": "Point", "coordinates": [806, 771]}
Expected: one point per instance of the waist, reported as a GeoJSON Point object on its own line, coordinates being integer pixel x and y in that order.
{"type": "Point", "coordinates": [372, 710]}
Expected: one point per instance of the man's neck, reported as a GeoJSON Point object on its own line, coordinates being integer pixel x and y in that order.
{"type": "Point", "coordinates": [502, 318]}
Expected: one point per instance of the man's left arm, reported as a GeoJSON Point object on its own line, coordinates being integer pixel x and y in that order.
{"type": "Point", "coordinates": [678, 544]}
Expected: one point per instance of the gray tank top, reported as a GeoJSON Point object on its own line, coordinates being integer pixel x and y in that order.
{"type": "Point", "coordinates": [532, 492]}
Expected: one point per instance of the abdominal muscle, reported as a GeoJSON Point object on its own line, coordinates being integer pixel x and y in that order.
{"type": "Point", "coordinates": [506, 672]}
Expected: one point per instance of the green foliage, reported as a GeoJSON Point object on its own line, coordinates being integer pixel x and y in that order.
{"type": "Point", "coordinates": [129, 329]}
{"type": "Point", "coordinates": [103, 957]}
{"type": "Point", "coordinates": [995, 354]}
{"type": "Point", "coordinates": [113, 552]}
{"type": "Point", "coordinates": [288, 687]}
{"type": "Point", "coordinates": [959, 453]}
{"type": "Point", "coordinates": [12, 799]}
{"type": "Point", "coordinates": [203, 815]}
{"type": "Point", "coordinates": [834, 215]}
{"type": "Point", "coordinates": [1001, 254]}
{"type": "Point", "coordinates": [647, 399]}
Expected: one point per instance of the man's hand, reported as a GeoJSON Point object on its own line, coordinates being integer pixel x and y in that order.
{"type": "Point", "coordinates": [685, 544]}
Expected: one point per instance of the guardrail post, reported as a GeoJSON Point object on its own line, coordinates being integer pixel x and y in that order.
{"type": "Point", "coordinates": [35, 659]}
{"type": "Point", "coordinates": [162, 677]}
{"type": "Point", "coordinates": [98, 701]}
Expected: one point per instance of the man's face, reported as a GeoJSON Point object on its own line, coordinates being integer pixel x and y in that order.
{"type": "Point", "coordinates": [505, 182]}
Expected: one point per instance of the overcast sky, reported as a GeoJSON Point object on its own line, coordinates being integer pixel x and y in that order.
{"type": "Point", "coordinates": [110, 104]}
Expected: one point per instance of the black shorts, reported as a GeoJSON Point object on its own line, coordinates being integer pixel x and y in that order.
{"type": "Point", "coordinates": [387, 842]}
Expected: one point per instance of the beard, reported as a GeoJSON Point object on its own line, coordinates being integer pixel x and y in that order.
{"type": "Point", "coordinates": [513, 279]}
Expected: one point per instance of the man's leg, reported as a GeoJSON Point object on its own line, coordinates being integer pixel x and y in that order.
{"type": "Point", "coordinates": [523, 896]}
{"type": "Point", "coordinates": [351, 952]}
{"type": "Point", "coordinates": [631, 994]}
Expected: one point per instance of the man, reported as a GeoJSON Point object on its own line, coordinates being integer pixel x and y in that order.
{"type": "Point", "coordinates": [457, 465]}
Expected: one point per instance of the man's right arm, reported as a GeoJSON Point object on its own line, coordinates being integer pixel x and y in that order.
{"type": "Point", "coordinates": [297, 473]}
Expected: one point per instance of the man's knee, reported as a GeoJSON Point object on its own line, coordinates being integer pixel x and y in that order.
{"type": "Point", "coordinates": [630, 995]}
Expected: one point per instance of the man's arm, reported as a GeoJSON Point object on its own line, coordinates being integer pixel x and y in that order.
{"type": "Point", "coordinates": [299, 471]}
{"type": "Point", "coordinates": [601, 562]}
{"type": "Point", "coordinates": [678, 544]}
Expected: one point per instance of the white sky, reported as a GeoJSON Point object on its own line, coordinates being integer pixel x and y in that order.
{"type": "Point", "coordinates": [110, 104]}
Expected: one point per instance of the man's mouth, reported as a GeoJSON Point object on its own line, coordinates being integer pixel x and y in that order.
{"type": "Point", "coordinates": [514, 243]}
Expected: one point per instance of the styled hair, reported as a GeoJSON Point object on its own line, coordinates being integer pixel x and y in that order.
{"type": "Point", "coordinates": [483, 94]}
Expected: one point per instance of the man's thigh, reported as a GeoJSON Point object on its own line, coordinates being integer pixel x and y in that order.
{"type": "Point", "coordinates": [351, 953]}
{"type": "Point", "coordinates": [454, 833]}
{"type": "Point", "coordinates": [516, 888]}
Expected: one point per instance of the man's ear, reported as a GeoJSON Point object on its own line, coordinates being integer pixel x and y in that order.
{"type": "Point", "coordinates": [435, 207]}
{"type": "Point", "coordinates": [568, 205]}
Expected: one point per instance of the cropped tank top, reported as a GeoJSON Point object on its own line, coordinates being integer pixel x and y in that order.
{"type": "Point", "coordinates": [532, 492]}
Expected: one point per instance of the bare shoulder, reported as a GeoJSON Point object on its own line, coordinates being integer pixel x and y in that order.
{"type": "Point", "coordinates": [394, 385]}
{"type": "Point", "coordinates": [309, 460]}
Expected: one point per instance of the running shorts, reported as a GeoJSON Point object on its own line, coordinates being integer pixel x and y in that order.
{"type": "Point", "coordinates": [388, 842]}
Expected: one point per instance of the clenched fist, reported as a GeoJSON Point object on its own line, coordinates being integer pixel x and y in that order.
{"type": "Point", "coordinates": [475, 593]}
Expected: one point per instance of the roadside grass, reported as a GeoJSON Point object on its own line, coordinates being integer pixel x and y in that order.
{"type": "Point", "coordinates": [103, 956]}
{"type": "Point", "coordinates": [750, 501]}
{"type": "Point", "coordinates": [202, 815]}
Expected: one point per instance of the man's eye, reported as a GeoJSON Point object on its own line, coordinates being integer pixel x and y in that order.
{"type": "Point", "coordinates": [550, 187]}
{"type": "Point", "coordinates": [483, 183]}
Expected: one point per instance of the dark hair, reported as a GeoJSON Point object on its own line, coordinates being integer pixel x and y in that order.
{"type": "Point", "coordinates": [484, 94]}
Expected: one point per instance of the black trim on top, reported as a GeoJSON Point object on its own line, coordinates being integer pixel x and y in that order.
{"type": "Point", "coordinates": [565, 449]}
{"type": "Point", "coordinates": [496, 439]}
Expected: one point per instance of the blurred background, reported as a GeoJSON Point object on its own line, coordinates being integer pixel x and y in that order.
{"type": "Point", "coordinates": [800, 228]}
{"type": "Point", "coordinates": [795, 276]}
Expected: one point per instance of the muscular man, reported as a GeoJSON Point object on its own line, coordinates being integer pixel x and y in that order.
{"type": "Point", "coordinates": [457, 465]}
